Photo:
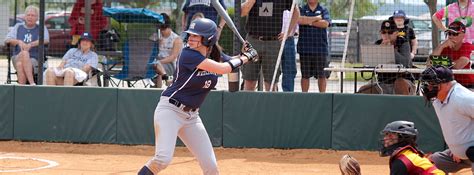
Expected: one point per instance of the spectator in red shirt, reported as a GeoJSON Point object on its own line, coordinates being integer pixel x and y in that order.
{"type": "Point", "coordinates": [458, 51]}
{"type": "Point", "coordinates": [77, 20]}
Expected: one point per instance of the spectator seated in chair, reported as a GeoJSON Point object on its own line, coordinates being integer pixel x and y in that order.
{"type": "Point", "coordinates": [77, 63]}
{"type": "Point", "coordinates": [25, 38]}
{"type": "Point", "coordinates": [169, 48]}
{"type": "Point", "coordinates": [393, 83]}
{"type": "Point", "coordinates": [458, 51]}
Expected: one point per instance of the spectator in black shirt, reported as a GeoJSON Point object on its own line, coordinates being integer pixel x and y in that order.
{"type": "Point", "coordinates": [405, 31]}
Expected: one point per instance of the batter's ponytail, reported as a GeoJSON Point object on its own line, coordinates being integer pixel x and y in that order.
{"type": "Point", "coordinates": [216, 53]}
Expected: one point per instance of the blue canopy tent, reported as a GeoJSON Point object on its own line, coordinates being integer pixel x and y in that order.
{"type": "Point", "coordinates": [133, 15]}
{"type": "Point", "coordinates": [137, 53]}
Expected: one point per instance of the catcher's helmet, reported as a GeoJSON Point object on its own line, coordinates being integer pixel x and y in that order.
{"type": "Point", "coordinates": [405, 128]}
{"type": "Point", "coordinates": [406, 132]}
{"type": "Point", "coordinates": [206, 28]}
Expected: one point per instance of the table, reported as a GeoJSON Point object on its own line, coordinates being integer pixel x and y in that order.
{"type": "Point", "coordinates": [385, 70]}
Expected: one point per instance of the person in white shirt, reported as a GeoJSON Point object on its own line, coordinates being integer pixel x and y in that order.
{"type": "Point", "coordinates": [170, 46]}
{"type": "Point", "coordinates": [454, 106]}
{"type": "Point", "coordinates": [288, 58]}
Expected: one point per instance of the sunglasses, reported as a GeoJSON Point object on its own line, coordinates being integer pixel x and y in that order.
{"type": "Point", "coordinates": [387, 32]}
{"type": "Point", "coordinates": [452, 32]}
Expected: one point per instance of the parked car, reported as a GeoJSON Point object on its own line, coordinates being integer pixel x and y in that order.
{"type": "Point", "coordinates": [423, 35]}
{"type": "Point", "coordinates": [337, 37]}
{"type": "Point", "coordinates": [59, 33]}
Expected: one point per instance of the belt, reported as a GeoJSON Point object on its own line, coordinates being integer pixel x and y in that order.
{"type": "Point", "coordinates": [264, 38]}
{"type": "Point", "coordinates": [182, 106]}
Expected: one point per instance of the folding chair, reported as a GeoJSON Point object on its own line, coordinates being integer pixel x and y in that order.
{"type": "Point", "coordinates": [137, 54]}
{"type": "Point", "coordinates": [11, 71]}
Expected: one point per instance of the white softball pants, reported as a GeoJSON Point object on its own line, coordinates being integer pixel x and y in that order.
{"type": "Point", "coordinates": [170, 122]}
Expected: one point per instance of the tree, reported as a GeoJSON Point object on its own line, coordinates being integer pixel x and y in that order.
{"type": "Point", "coordinates": [434, 31]}
{"type": "Point", "coordinates": [339, 9]}
{"type": "Point", "coordinates": [177, 13]}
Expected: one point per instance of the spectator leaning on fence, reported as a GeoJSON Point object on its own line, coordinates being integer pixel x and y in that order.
{"type": "Point", "coordinates": [405, 31]}
{"type": "Point", "coordinates": [25, 38]}
{"type": "Point", "coordinates": [264, 27]}
{"type": "Point", "coordinates": [76, 64]}
{"type": "Point", "coordinates": [313, 44]}
{"type": "Point", "coordinates": [454, 106]}
{"type": "Point", "coordinates": [463, 11]}
{"type": "Point", "coordinates": [458, 51]}
{"type": "Point", "coordinates": [191, 7]}
{"type": "Point", "coordinates": [393, 83]}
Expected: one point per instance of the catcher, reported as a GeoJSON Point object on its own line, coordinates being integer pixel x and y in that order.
{"type": "Point", "coordinates": [399, 142]}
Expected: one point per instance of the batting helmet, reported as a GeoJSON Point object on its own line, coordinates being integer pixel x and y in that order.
{"type": "Point", "coordinates": [406, 132]}
{"type": "Point", "coordinates": [206, 28]}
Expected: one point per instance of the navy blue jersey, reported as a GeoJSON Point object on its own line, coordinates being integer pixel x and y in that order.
{"type": "Point", "coordinates": [191, 7]}
{"type": "Point", "coordinates": [191, 85]}
{"type": "Point", "coordinates": [313, 40]}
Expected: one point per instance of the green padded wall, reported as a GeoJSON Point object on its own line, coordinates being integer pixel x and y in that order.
{"type": "Point", "coordinates": [135, 115]}
{"type": "Point", "coordinates": [358, 120]}
{"type": "Point", "coordinates": [6, 112]}
{"type": "Point", "coordinates": [211, 115]}
{"type": "Point", "coordinates": [76, 114]}
{"type": "Point", "coordinates": [136, 109]}
{"type": "Point", "coordinates": [277, 120]}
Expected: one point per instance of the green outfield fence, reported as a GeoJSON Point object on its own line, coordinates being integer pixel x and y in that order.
{"type": "Point", "coordinates": [242, 119]}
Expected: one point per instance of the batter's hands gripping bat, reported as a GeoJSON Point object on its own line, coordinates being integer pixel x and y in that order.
{"type": "Point", "coordinates": [221, 11]}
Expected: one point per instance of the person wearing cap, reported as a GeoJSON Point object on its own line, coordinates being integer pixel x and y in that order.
{"type": "Point", "coordinates": [454, 106]}
{"type": "Point", "coordinates": [76, 64]}
{"type": "Point", "coordinates": [393, 83]}
{"type": "Point", "coordinates": [405, 31]}
{"type": "Point", "coordinates": [24, 37]}
{"type": "Point", "coordinates": [170, 46]}
{"type": "Point", "coordinates": [462, 11]}
{"type": "Point", "coordinates": [399, 142]}
{"type": "Point", "coordinates": [458, 51]}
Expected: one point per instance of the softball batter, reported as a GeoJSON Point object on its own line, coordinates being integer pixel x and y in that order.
{"type": "Point", "coordinates": [177, 112]}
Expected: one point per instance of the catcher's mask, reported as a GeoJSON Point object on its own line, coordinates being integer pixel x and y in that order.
{"type": "Point", "coordinates": [406, 135]}
{"type": "Point", "coordinates": [431, 78]}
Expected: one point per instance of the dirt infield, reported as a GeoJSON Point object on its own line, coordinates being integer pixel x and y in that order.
{"type": "Point", "coordinates": [119, 159]}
